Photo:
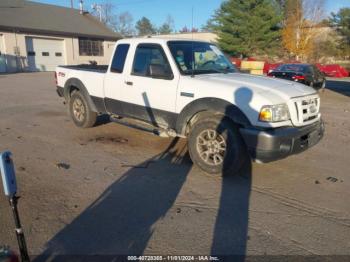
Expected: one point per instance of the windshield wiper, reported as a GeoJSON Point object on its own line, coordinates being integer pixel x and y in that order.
{"type": "Point", "coordinates": [221, 71]}
{"type": "Point", "coordinates": [208, 71]}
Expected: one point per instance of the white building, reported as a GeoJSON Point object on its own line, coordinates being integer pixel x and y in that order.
{"type": "Point", "coordinates": [38, 37]}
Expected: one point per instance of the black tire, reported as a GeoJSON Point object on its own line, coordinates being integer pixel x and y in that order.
{"type": "Point", "coordinates": [80, 111]}
{"type": "Point", "coordinates": [232, 158]}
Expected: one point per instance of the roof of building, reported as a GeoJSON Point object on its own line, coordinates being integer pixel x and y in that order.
{"type": "Point", "coordinates": [31, 17]}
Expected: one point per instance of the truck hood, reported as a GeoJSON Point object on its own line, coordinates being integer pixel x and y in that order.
{"type": "Point", "coordinates": [261, 84]}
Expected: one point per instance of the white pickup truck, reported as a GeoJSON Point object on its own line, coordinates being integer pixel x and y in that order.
{"type": "Point", "coordinates": [190, 89]}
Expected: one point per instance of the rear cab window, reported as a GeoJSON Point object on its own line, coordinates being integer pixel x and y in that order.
{"type": "Point", "coordinates": [119, 58]}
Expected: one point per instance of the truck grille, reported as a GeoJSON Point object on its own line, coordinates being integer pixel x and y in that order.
{"type": "Point", "coordinates": [307, 110]}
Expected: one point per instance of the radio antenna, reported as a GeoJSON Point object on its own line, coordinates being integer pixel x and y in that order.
{"type": "Point", "coordinates": [193, 55]}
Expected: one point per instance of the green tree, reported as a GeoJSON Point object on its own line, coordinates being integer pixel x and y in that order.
{"type": "Point", "coordinates": [145, 27]}
{"type": "Point", "coordinates": [341, 21]}
{"type": "Point", "coordinates": [167, 27]}
{"type": "Point", "coordinates": [250, 27]}
{"type": "Point", "coordinates": [209, 26]}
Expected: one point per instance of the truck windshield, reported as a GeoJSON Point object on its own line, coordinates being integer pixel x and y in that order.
{"type": "Point", "coordinates": [199, 58]}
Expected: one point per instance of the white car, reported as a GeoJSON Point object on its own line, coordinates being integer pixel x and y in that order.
{"type": "Point", "coordinates": [190, 89]}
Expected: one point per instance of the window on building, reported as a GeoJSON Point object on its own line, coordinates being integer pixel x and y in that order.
{"type": "Point", "coordinates": [45, 54]}
{"type": "Point", "coordinates": [58, 54]}
{"type": "Point", "coordinates": [90, 47]}
{"type": "Point", "coordinates": [31, 53]}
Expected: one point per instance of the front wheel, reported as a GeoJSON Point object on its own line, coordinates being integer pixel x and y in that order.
{"type": "Point", "coordinates": [216, 146]}
{"type": "Point", "coordinates": [80, 111]}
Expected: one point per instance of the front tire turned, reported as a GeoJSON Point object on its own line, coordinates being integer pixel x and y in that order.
{"type": "Point", "coordinates": [80, 112]}
{"type": "Point", "coordinates": [216, 146]}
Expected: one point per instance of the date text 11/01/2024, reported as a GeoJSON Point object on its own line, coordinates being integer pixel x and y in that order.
{"type": "Point", "coordinates": [173, 258]}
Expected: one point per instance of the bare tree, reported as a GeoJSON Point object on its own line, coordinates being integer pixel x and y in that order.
{"type": "Point", "coordinates": [314, 13]}
{"type": "Point", "coordinates": [185, 29]}
{"type": "Point", "coordinates": [105, 12]}
{"type": "Point", "coordinates": [121, 23]}
{"type": "Point", "coordinates": [124, 25]}
{"type": "Point", "coordinates": [302, 20]}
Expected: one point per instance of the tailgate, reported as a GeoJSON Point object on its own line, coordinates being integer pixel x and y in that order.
{"type": "Point", "coordinates": [61, 74]}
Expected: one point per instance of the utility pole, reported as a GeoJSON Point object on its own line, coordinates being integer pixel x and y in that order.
{"type": "Point", "coordinates": [71, 4]}
{"type": "Point", "coordinates": [81, 7]}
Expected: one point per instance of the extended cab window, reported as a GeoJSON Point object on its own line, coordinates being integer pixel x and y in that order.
{"type": "Point", "coordinates": [119, 58]}
{"type": "Point", "coordinates": [151, 61]}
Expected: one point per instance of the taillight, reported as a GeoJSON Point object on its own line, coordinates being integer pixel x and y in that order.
{"type": "Point", "coordinates": [298, 77]}
{"type": "Point", "coordinates": [56, 79]}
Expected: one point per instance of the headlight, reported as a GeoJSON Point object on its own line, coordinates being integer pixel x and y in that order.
{"type": "Point", "coordinates": [275, 113]}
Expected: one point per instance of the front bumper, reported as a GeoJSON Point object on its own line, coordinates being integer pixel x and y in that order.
{"type": "Point", "coordinates": [269, 145]}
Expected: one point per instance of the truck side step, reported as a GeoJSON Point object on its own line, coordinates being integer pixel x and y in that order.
{"type": "Point", "coordinates": [143, 126]}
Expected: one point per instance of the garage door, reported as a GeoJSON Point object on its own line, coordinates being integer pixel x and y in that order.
{"type": "Point", "coordinates": [44, 54]}
{"type": "Point", "coordinates": [2, 55]}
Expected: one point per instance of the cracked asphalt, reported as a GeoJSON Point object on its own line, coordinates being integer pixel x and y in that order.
{"type": "Point", "coordinates": [116, 190]}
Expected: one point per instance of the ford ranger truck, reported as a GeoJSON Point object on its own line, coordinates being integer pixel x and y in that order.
{"type": "Point", "coordinates": [190, 89]}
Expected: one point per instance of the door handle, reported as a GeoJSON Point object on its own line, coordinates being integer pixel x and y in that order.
{"type": "Point", "coordinates": [129, 83]}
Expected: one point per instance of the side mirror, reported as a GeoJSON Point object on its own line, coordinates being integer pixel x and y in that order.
{"type": "Point", "coordinates": [159, 71]}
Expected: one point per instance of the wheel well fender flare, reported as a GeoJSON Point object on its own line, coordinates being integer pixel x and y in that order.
{"type": "Point", "coordinates": [76, 84]}
{"type": "Point", "coordinates": [209, 104]}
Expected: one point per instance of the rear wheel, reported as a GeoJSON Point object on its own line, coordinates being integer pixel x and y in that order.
{"type": "Point", "coordinates": [216, 146]}
{"type": "Point", "coordinates": [80, 111]}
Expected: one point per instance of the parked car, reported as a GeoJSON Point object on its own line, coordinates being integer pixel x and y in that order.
{"type": "Point", "coordinates": [190, 89]}
{"type": "Point", "coordinates": [303, 73]}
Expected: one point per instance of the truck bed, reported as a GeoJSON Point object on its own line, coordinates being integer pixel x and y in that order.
{"type": "Point", "coordinates": [91, 76]}
{"type": "Point", "coordinates": [88, 67]}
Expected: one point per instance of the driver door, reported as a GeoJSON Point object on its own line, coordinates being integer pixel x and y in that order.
{"type": "Point", "coordinates": [146, 96]}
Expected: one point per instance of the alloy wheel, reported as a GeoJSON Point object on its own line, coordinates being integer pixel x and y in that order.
{"type": "Point", "coordinates": [211, 147]}
{"type": "Point", "coordinates": [79, 110]}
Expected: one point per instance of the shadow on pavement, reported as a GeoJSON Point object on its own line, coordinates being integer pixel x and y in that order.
{"type": "Point", "coordinates": [339, 86]}
{"type": "Point", "coordinates": [122, 220]}
{"type": "Point", "coordinates": [231, 227]}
